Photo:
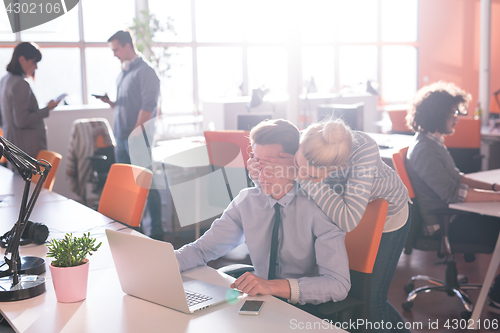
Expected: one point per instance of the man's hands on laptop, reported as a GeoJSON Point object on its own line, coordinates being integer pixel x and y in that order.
{"type": "Point", "coordinates": [253, 285]}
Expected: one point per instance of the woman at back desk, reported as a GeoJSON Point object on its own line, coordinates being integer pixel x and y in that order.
{"type": "Point", "coordinates": [20, 118]}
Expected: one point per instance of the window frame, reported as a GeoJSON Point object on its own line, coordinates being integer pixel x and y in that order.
{"type": "Point", "coordinates": [295, 78]}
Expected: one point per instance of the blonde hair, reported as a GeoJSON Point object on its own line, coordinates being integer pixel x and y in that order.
{"type": "Point", "coordinates": [327, 144]}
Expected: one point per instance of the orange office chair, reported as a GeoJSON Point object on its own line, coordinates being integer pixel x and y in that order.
{"type": "Point", "coordinates": [224, 148]}
{"type": "Point", "coordinates": [125, 192]}
{"type": "Point", "coordinates": [398, 120]}
{"type": "Point", "coordinates": [54, 159]}
{"type": "Point", "coordinates": [453, 285]}
{"type": "Point", "coordinates": [362, 247]}
{"type": "Point", "coordinates": [464, 144]}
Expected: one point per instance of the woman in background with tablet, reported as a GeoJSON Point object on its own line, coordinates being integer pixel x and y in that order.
{"type": "Point", "coordinates": [21, 119]}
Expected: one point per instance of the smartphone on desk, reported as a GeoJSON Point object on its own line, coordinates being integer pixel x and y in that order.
{"type": "Point", "coordinates": [251, 307]}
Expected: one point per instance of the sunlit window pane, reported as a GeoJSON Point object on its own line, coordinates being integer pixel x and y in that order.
{"type": "Point", "coordinates": [102, 70]}
{"type": "Point", "coordinates": [6, 34]}
{"type": "Point", "coordinates": [180, 12]}
{"type": "Point", "coordinates": [400, 73]}
{"type": "Point", "coordinates": [267, 21]}
{"type": "Point", "coordinates": [220, 72]}
{"type": "Point", "coordinates": [101, 19]}
{"type": "Point", "coordinates": [267, 66]}
{"type": "Point", "coordinates": [318, 63]}
{"type": "Point", "coordinates": [62, 29]}
{"type": "Point", "coordinates": [5, 56]}
{"type": "Point", "coordinates": [219, 20]}
{"type": "Point", "coordinates": [177, 82]}
{"type": "Point", "coordinates": [55, 77]}
{"type": "Point", "coordinates": [357, 21]}
{"type": "Point", "coordinates": [318, 20]}
{"type": "Point", "coordinates": [399, 20]}
{"type": "Point", "coordinates": [357, 64]}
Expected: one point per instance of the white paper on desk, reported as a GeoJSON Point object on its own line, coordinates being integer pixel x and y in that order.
{"type": "Point", "coordinates": [60, 97]}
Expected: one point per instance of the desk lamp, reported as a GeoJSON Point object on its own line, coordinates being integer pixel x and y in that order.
{"type": "Point", "coordinates": [257, 97]}
{"type": "Point", "coordinates": [15, 286]}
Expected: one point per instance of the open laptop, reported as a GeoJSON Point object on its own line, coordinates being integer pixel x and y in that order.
{"type": "Point", "coordinates": [148, 269]}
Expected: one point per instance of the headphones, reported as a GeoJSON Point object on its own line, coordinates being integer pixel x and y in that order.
{"type": "Point", "coordinates": [33, 233]}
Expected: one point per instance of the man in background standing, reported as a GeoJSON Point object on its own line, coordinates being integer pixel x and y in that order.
{"type": "Point", "coordinates": [138, 88]}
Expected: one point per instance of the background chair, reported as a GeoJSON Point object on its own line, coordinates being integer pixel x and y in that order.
{"type": "Point", "coordinates": [101, 162]}
{"type": "Point", "coordinates": [453, 284]}
{"type": "Point", "coordinates": [398, 120]}
{"type": "Point", "coordinates": [54, 159]}
{"type": "Point", "coordinates": [464, 144]}
{"type": "Point", "coordinates": [125, 192]}
{"type": "Point", "coordinates": [224, 148]}
{"type": "Point", "coordinates": [87, 136]}
{"type": "Point", "coordinates": [362, 247]}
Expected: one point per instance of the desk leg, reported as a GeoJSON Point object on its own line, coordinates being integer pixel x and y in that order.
{"type": "Point", "coordinates": [488, 280]}
{"type": "Point", "coordinates": [197, 191]}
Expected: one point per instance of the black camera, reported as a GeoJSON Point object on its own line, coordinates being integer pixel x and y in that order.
{"type": "Point", "coordinates": [36, 233]}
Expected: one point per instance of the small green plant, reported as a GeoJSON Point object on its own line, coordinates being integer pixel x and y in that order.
{"type": "Point", "coordinates": [71, 251]}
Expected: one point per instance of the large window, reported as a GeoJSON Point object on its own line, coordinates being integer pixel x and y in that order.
{"type": "Point", "coordinates": [226, 48]}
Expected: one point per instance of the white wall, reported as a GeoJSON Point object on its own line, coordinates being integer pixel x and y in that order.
{"type": "Point", "coordinates": [58, 131]}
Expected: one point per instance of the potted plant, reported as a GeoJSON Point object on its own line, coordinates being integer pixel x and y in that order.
{"type": "Point", "coordinates": [70, 267]}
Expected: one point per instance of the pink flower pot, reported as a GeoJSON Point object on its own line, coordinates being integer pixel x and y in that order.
{"type": "Point", "coordinates": [70, 283]}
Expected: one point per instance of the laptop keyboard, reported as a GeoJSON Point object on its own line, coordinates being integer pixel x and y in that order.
{"type": "Point", "coordinates": [195, 298]}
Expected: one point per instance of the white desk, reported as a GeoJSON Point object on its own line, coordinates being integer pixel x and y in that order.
{"type": "Point", "coordinates": [12, 188]}
{"type": "Point", "coordinates": [390, 143]}
{"type": "Point", "coordinates": [108, 309]}
{"type": "Point", "coordinates": [485, 208]}
{"type": "Point", "coordinates": [62, 217]}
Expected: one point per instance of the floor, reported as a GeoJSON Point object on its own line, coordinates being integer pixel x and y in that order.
{"type": "Point", "coordinates": [431, 311]}
{"type": "Point", "coordinates": [437, 307]}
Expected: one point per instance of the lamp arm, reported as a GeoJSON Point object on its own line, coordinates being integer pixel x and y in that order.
{"type": "Point", "coordinates": [27, 166]}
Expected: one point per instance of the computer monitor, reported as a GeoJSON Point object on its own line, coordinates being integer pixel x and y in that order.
{"type": "Point", "coordinates": [351, 114]}
{"type": "Point", "coordinates": [246, 122]}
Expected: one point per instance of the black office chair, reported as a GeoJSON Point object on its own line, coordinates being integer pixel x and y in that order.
{"type": "Point", "coordinates": [453, 284]}
{"type": "Point", "coordinates": [101, 162]}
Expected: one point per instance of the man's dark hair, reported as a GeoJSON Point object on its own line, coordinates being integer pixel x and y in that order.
{"type": "Point", "coordinates": [433, 104]}
{"type": "Point", "coordinates": [29, 51]}
{"type": "Point", "coordinates": [276, 131]}
{"type": "Point", "coordinates": [123, 37]}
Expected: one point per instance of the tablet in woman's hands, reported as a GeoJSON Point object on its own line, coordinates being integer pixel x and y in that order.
{"type": "Point", "coordinates": [59, 98]}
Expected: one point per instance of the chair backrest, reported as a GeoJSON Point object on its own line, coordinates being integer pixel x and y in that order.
{"type": "Point", "coordinates": [467, 134]}
{"type": "Point", "coordinates": [125, 192]}
{"type": "Point", "coordinates": [226, 151]}
{"type": "Point", "coordinates": [54, 159]}
{"type": "Point", "coordinates": [398, 160]}
{"type": "Point", "coordinates": [363, 241]}
{"type": "Point", "coordinates": [398, 120]}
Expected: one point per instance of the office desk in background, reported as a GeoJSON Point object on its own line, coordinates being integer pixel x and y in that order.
{"type": "Point", "coordinates": [107, 308]}
{"type": "Point", "coordinates": [389, 144]}
{"type": "Point", "coordinates": [484, 208]}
